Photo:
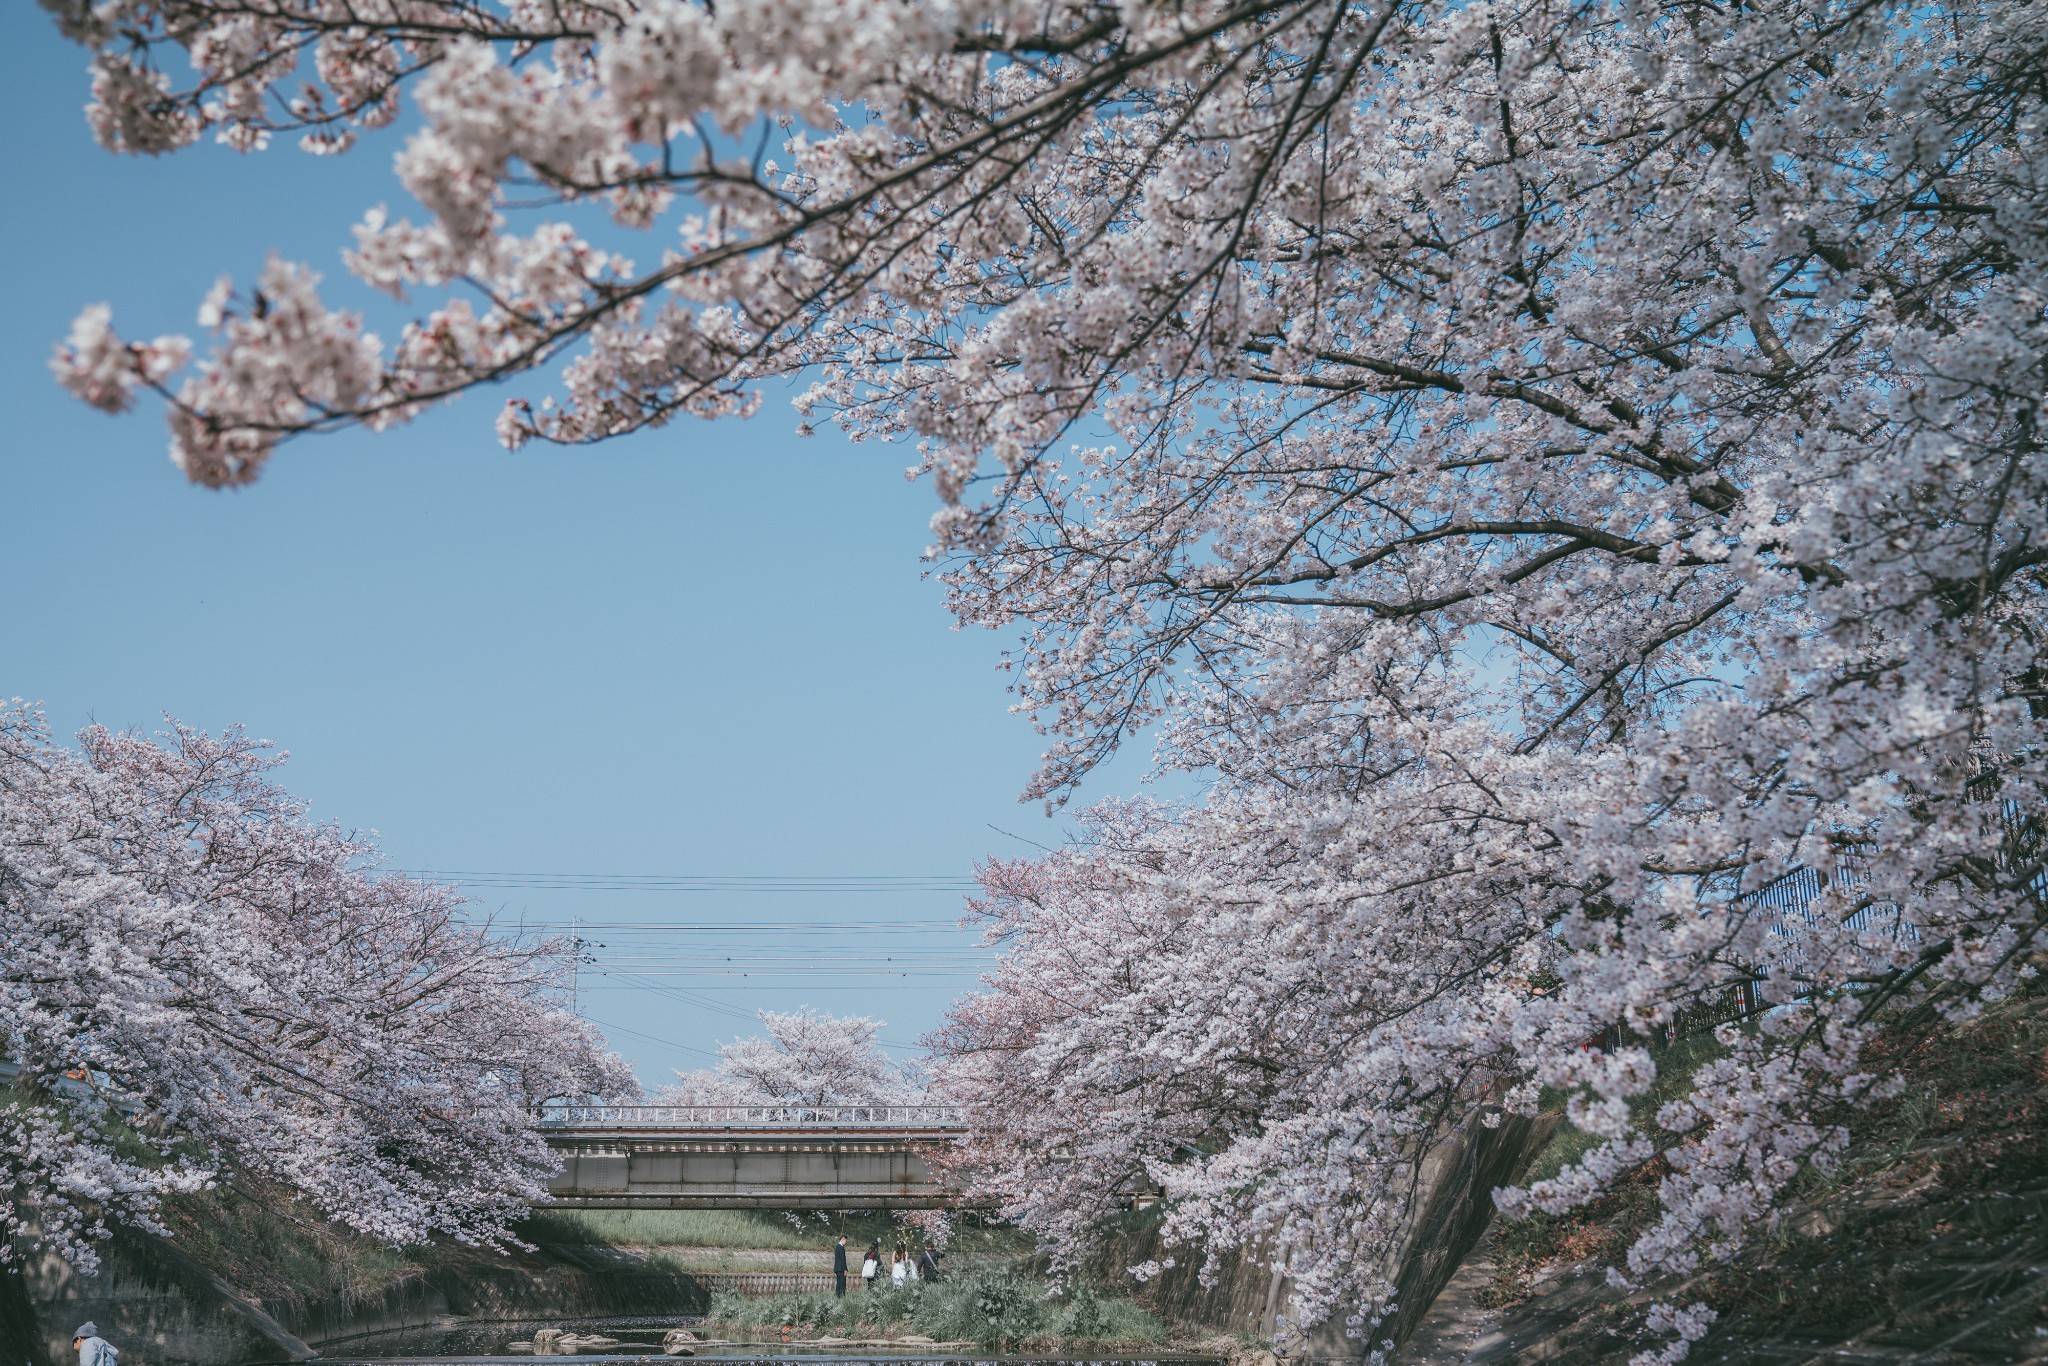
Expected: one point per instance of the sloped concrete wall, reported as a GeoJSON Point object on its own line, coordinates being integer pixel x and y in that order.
{"type": "Point", "coordinates": [1451, 1213]}
{"type": "Point", "coordinates": [1244, 1297]}
{"type": "Point", "coordinates": [153, 1302]}
{"type": "Point", "coordinates": [162, 1308]}
{"type": "Point", "coordinates": [21, 1341]}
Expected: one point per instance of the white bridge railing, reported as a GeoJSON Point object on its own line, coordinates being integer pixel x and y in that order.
{"type": "Point", "coordinates": [567, 1116]}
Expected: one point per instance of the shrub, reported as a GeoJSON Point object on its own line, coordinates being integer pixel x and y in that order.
{"type": "Point", "coordinates": [1127, 1321]}
{"type": "Point", "coordinates": [999, 1311]}
{"type": "Point", "coordinates": [1084, 1318]}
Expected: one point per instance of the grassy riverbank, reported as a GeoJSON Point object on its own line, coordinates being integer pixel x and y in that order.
{"type": "Point", "coordinates": [714, 1228]}
{"type": "Point", "coordinates": [257, 1266]}
{"type": "Point", "coordinates": [766, 1240]}
{"type": "Point", "coordinates": [990, 1309]}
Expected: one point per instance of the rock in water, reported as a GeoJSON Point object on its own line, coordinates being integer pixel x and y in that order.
{"type": "Point", "coordinates": [587, 1342]}
{"type": "Point", "coordinates": [548, 1342]}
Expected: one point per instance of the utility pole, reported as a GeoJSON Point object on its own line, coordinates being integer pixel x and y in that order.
{"type": "Point", "coordinates": [579, 954]}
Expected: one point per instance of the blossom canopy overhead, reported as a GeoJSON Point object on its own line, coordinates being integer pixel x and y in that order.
{"type": "Point", "coordinates": [1560, 467]}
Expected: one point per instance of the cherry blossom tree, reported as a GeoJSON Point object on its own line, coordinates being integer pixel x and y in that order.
{"type": "Point", "coordinates": [200, 980]}
{"type": "Point", "coordinates": [806, 1058]}
{"type": "Point", "coordinates": [1558, 467]}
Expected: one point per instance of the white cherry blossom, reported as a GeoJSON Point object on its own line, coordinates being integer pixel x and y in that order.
{"type": "Point", "coordinates": [1559, 469]}
{"type": "Point", "coordinates": [806, 1058]}
{"type": "Point", "coordinates": [201, 980]}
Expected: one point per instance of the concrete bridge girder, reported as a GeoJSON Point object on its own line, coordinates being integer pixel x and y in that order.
{"type": "Point", "coordinates": [648, 1171]}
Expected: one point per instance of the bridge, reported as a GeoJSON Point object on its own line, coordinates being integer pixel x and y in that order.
{"type": "Point", "coordinates": [749, 1156]}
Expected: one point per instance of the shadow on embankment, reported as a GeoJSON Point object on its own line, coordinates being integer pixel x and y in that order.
{"type": "Point", "coordinates": [165, 1308]}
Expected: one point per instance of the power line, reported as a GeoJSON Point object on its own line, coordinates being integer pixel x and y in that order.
{"type": "Point", "coordinates": [752, 926]}
{"type": "Point", "coordinates": [699, 1002]}
{"type": "Point", "coordinates": [696, 882]}
{"type": "Point", "coordinates": [770, 972]}
{"type": "Point", "coordinates": [936, 984]}
{"type": "Point", "coordinates": [775, 953]}
{"type": "Point", "coordinates": [677, 994]}
{"type": "Point", "coordinates": [665, 1043]}
{"type": "Point", "coordinates": [671, 968]}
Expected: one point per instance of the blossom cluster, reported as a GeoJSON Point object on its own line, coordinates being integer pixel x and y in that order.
{"type": "Point", "coordinates": [806, 1058]}
{"type": "Point", "coordinates": [199, 980]}
{"type": "Point", "coordinates": [1558, 468]}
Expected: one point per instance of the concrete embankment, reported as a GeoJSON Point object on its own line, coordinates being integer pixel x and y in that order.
{"type": "Point", "coordinates": [153, 1296]}
{"type": "Point", "coordinates": [1451, 1213]}
{"type": "Point", "coordinates": [166, 1309]}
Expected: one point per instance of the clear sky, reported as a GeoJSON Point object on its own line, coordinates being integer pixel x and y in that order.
{"type": "Point", "coordinates": [702, 652]}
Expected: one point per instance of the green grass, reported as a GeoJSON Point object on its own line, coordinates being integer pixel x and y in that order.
{"type": "Point", "coordinates": [257, 1234]}
{"type": "Point", "coordinates": [990, 1309]}
{"type": "Point", "coordinates": [677, 1258]}
{"type": "Point", "coordinates": [975, 1245]}
{"type": "Point", "coordinates": [270, 1243]}
{"type": "Point", "coordinates": [734, 1228]}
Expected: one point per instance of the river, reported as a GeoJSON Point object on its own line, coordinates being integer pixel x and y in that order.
{"type": "Point", "coordinates": [460, 1344]}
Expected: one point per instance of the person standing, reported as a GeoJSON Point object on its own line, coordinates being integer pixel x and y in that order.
{"type": "Point", "coordinates": [928, 1265]}
{"type": "Point", "coordinates": [839, 1267]}
{"type": "Point", "coordinates": [92, 1349]}
{"type": "Point", "coordinates": [871, 1265]}
{"type": "Point", "coordinates": [899, 1266]}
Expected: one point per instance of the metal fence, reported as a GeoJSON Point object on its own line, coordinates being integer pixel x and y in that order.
{"type": "Point", "coordinates": [760, 1284]}
{"type": "Point", "coordinates": [567, 1116]}
{"type": "Point", "coordinates": [1788, 902]}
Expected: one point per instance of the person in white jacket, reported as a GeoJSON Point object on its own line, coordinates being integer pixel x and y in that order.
{"type": "Point", "coordinates": [92, 1349]}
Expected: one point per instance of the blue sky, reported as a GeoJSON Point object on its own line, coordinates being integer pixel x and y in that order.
{"type": "Point", "coordinates": [704, 651]}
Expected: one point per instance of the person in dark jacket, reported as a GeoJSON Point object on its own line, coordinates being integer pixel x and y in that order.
{"type": "Point", "coordinates": [928, 1264]}
{"type": "Point", "coordinates": [839, 1266]}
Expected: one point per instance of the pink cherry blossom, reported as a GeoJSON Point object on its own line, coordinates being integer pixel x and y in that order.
{"type": "Point", "coordinates": [200, 979]}
{"type": "Point", "coordinates": [806, 1058]}
{"type": "Point", "coordinates": [1556, 470]}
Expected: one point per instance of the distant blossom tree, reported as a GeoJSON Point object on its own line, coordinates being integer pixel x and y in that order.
{"type": "Point", "coordinates": [806, 1058]}
{"type": "Point", "coordinates": [1559, 466]}
{"type": "Point", "coordinates": [196, 978]}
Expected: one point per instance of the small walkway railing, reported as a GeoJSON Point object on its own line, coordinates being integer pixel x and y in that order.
{"type": "Point", "coordinates": [758, 1284]}
{"type": "Point", "coordinates": [566, 1116]}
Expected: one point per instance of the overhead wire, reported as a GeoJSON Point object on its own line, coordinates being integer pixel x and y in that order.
{"type": "Point", "coordinates": [665, 1043]}
{"type": "Point", "coordinates": [635, 982]}
{"type": "Point", "coordinates": [742, 926]}
{"type": "Point", "coordinates": [759, 963]}
{"type": "Point", "coordinates": [700, 1002]}
{"type": "Point", "coordinates": [698, 882]}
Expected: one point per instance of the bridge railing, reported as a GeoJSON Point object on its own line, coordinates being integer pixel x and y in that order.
{"type": "Point", "coordinates": [568, 1116]}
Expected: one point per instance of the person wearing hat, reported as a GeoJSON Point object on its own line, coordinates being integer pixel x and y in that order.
{"type": "Point", "coordinates": [92, 1349]}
